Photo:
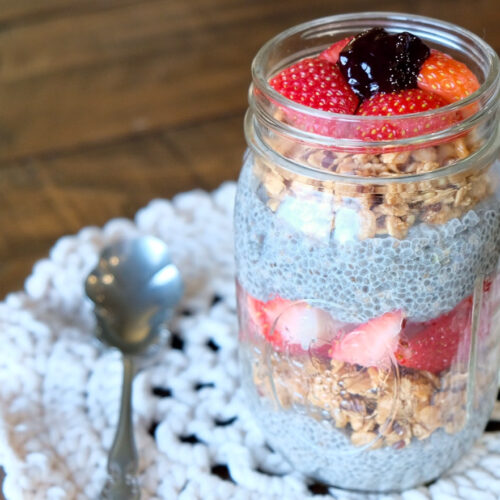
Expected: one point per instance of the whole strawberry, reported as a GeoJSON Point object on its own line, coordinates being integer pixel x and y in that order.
{"type": "Point", "coordinates": [318, 84]}
{"type": "Point", "coordinates": [402, 103]}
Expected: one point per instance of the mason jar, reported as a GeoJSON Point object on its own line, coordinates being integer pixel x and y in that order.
{"type": "Point", "coordinates": [367, 269]}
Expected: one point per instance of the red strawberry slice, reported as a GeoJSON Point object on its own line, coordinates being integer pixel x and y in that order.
{"type": "Point", "coordinates": [405, 102]}
{"type": "Point", "coordinates": [332, 53]}
{"type": "Point", "coordinates": [318, 84]}
{"type": "Point", "coordinates": [447, 77]}
{"type": "Point", "coordinates": [263, 317]}
{"type": "Point", "coordinates": [433, 345]}
{"type": "Point", "coordinates": [285, 324]}
{"type": "Point", "coordinates": [372, 343]}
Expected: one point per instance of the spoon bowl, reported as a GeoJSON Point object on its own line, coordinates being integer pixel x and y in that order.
{"type": "Point", "coordinates": [134, 287]}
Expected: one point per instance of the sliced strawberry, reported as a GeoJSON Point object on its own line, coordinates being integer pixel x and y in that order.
{"type": "Point", "coordinates": [331, 54]}
{"type": "Point", "coordinates": [447, 77]}
{"type": "Point", "coordinates": [263, 317]}
{"type": "Point", "coordinates": [372, 343]}
{"type": "Point", "coordinates": [405, 102]}
{"type": "Point", "coordinates": [434, 345]}
{"type": "Point", "coordinates": [318, 84]}
{"type": "Point", "coordinates": [286, 324]}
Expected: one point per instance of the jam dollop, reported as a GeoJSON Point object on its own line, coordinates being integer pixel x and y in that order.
{"type": "Point", "coordinates": [376, 61]}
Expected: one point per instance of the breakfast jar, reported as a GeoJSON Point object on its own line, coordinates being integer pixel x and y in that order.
{"type": "Point", "coordinates": [367, 239]}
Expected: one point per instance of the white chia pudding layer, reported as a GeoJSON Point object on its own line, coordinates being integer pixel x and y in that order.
{"type": "Point", "coordinates": [426, 274]}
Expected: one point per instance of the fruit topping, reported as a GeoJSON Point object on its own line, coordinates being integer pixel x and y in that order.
{"type": "Point", "coordinates": [332, 53]}
{"type": "Point", "coordinates": [400, 103]}
{"type": "Point", "coordinates": [372, 343]}
{"type": "Point", "coordinates": [447, 77]}
{"type": "Point", "coordinates": [316, 83]}
{"type": "Point", "coordinates": [376, 61]}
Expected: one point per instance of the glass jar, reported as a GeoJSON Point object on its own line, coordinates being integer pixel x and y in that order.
{"type": "Point", "coordinates": [367, 270]}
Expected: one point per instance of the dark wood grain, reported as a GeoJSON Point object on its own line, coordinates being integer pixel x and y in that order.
{"type": "Point", "coordinates": [109, 104]}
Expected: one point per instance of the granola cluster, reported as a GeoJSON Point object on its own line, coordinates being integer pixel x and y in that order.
{"type": "Point", "coordinates": [383, 209]}
{"type": "Point", "coordinates": [375, 407]}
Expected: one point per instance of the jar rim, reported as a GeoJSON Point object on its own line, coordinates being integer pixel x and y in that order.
{"type": "Point", "coordinates": [480, 158]}
{"type": "Point", "coordinates": [443, 32]}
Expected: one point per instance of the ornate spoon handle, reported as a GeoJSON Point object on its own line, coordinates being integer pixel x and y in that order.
{"type": "Point", "coordinates": [122, 482]}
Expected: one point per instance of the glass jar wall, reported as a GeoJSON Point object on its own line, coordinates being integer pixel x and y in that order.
{"type": "Point", "coordinates": [367, 270]}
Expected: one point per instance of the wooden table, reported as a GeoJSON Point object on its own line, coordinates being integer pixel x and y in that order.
{"type": "Point", "coordinates": [108, 104]}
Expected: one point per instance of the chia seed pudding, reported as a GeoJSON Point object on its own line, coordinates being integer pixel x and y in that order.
{"type": "Point", "coordinates": [426, 274]}
{"type": "Point", "coordinates": [367, 249]}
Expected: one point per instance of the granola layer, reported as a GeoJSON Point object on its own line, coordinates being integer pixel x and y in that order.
{"type": "Point", "coordinates": [374, 407]}
{"type": "Point", "coordinates": [383, 210]}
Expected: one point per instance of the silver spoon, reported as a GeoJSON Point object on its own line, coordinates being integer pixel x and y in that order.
{"type": "Point", "coordinates": [135, 287]}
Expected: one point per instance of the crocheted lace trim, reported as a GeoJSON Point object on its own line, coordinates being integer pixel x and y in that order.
{"type": "Point", "coordinates": [59, 389]}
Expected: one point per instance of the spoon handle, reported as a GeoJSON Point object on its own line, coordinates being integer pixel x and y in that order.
{"type": "Point", "coordinates": [122, 482]}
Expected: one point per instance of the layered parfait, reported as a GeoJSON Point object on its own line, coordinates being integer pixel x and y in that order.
{"type": "Point", "coordinates": [367, 268]}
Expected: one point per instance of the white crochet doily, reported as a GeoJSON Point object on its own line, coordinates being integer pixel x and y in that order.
{"type": "Point", "coordinates": [59, 389]}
